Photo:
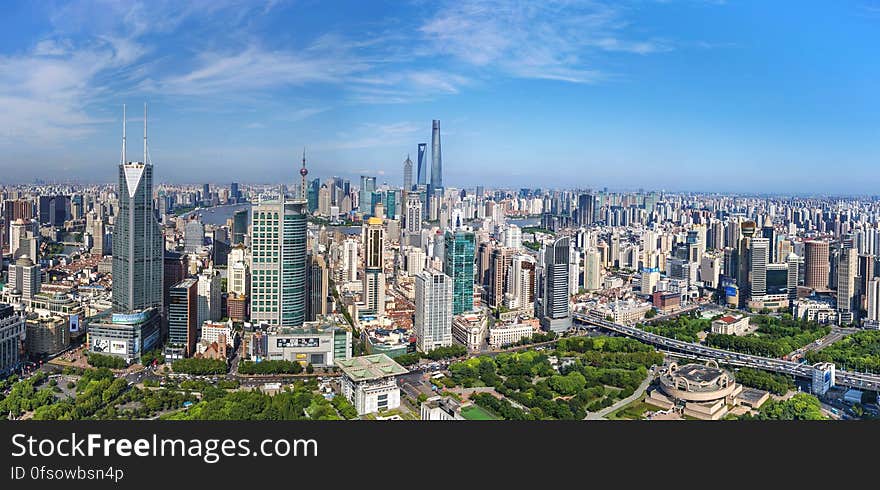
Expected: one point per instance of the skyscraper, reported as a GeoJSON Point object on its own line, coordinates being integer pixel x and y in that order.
{"type": "Point", "coordinates": [24, 276]}
{"type": "Point", "coordinates": [816, 264]}
{"type": "Point", "coordinates": [759, 258]}
{"type": "Point", "coordinates": [413, 219]}
{"type": "Point", "coordinates": [407, 175]}
{"type": "Point", "coordinates": [743, 275]}
{"type": "Point", "coordinates": [422, 177]}
{"type": "Point", "coordinates": [193, 236]}
{"type": "Point", "coordinates": [592, 270]}
{"type": "Point", "coordinates": [846, 286]}
{"type": "Point", "coordinates": [138, 245]}
{"type": "Point", "coordinates": [521, 282]}
{"type": "Point", "coordinates": [239, 226]}
{"type": "Point", "coordinates": [436, 160]}
{"type": "Point", "coordinates": [499, 268]}
{"type": "Point", "coordinates": [374, 274]}
{"type": "Point", "coordinates": [586, 203]}
{"type": "Point", "coordinates": [278, 273]}
{"type": "Point", "coordinates": [209, 295]}
{"type": "Point", "coordinates": [433, 319]}
{"type": "Point", "coordinates": [458, 264]}
{"type": "Point", "coordinates": [183, 315]}
{"type": "Point", "coordinates": [12, 335]}
{"type": "Point", "coordinates": [555, 307]}
{"type": "Point", "coordinates": [365, 199]}
{"type": "Point", "coordinates": [349, 260]}
{"type": "Point", "coordinates": [873, 301]}
{"type": "Point", "coordinates": [793, 262]}
{"type": "Point", "coordinates": [319, 280]}
{"type": "Point", "coordinates": [769, 233]}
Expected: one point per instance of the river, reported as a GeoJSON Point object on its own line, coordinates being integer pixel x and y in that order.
{"type": "Point", "coordinates": [218, 215]}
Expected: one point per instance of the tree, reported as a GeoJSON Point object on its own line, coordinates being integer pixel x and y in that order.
{"type": "Point", "coordinates": [199, 366]}
{"type": "Point", "coordinates": [269, 367]}
{"type": "Point", "coordinates": [101, 360]}
{"type": "Point", "coordinates": [310, 369]}
{"type": "Point", "coordinates": [799, 407]}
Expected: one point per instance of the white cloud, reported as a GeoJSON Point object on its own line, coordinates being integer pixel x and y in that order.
{"type": "Point", "coordinates": [45, 92]}
{"type": "Point", "coordinates": [253, 69]}
{"type": "Point", "coordinates": [551, 39]}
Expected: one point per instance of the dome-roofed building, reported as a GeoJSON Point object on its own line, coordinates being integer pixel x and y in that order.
{"type": "Point", "coordinates": [705, 390]}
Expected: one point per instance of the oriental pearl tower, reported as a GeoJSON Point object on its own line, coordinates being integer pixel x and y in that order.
{"type": "Point", "coordinates": [303, 172]}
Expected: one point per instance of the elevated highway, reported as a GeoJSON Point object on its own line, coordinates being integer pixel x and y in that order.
{"type": "Point", "coordinates": [860, 381]}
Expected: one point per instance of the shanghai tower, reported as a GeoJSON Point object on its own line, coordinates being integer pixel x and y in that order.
{"type": "Point", "coordinates": [436, 162]}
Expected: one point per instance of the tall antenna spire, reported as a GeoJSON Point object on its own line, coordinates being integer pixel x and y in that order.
{"type": "Point", "coordinates": [123, 134]}
{"type": "Point", "coordinates": [145, 133]}
{"type": "Point", "coordinates": [303, 172]}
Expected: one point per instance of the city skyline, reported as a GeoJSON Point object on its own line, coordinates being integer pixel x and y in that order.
{"type": "Point", "coordinates": [701, 86]}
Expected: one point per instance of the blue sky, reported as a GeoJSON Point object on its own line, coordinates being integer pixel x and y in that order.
{"type": "Point", "coordinates": [732, 95]}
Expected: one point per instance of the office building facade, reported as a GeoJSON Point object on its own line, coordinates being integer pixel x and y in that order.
{"type": "Point", "coordinates": [458, 264]}
{"type": "Point", "coordinates": [278, 263]}
{"type": "Point", "coordinates": [433, 319]}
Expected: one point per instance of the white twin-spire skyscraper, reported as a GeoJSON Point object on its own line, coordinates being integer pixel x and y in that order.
{"type": "Point", "coordinates": [138, 245]}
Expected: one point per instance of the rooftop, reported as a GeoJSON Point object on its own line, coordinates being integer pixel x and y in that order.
{"type": "Point", "coordinates": [365, 368]}
{"type": "Point", "coordinates": [751, 395]}
{"type": "Point", "coordinates": [698, 373]}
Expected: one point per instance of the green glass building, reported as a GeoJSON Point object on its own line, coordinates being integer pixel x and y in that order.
{"type": "Point", "coordinates": [278, 275]}
{"type": "Point", "coordinates": [458, 263]}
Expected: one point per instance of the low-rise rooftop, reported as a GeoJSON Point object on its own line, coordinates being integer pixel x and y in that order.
{"type": "Point", "coordinates": [365, 368]}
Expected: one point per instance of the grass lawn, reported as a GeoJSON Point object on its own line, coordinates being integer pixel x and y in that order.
{"type": "Point", "coordinates": [474, 412]}
{"type": "Point", "coordinates": [634, 411]}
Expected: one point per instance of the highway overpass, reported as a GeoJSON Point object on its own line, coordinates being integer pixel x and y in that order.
{"type": "Point", "coordinates": [860, 381]}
